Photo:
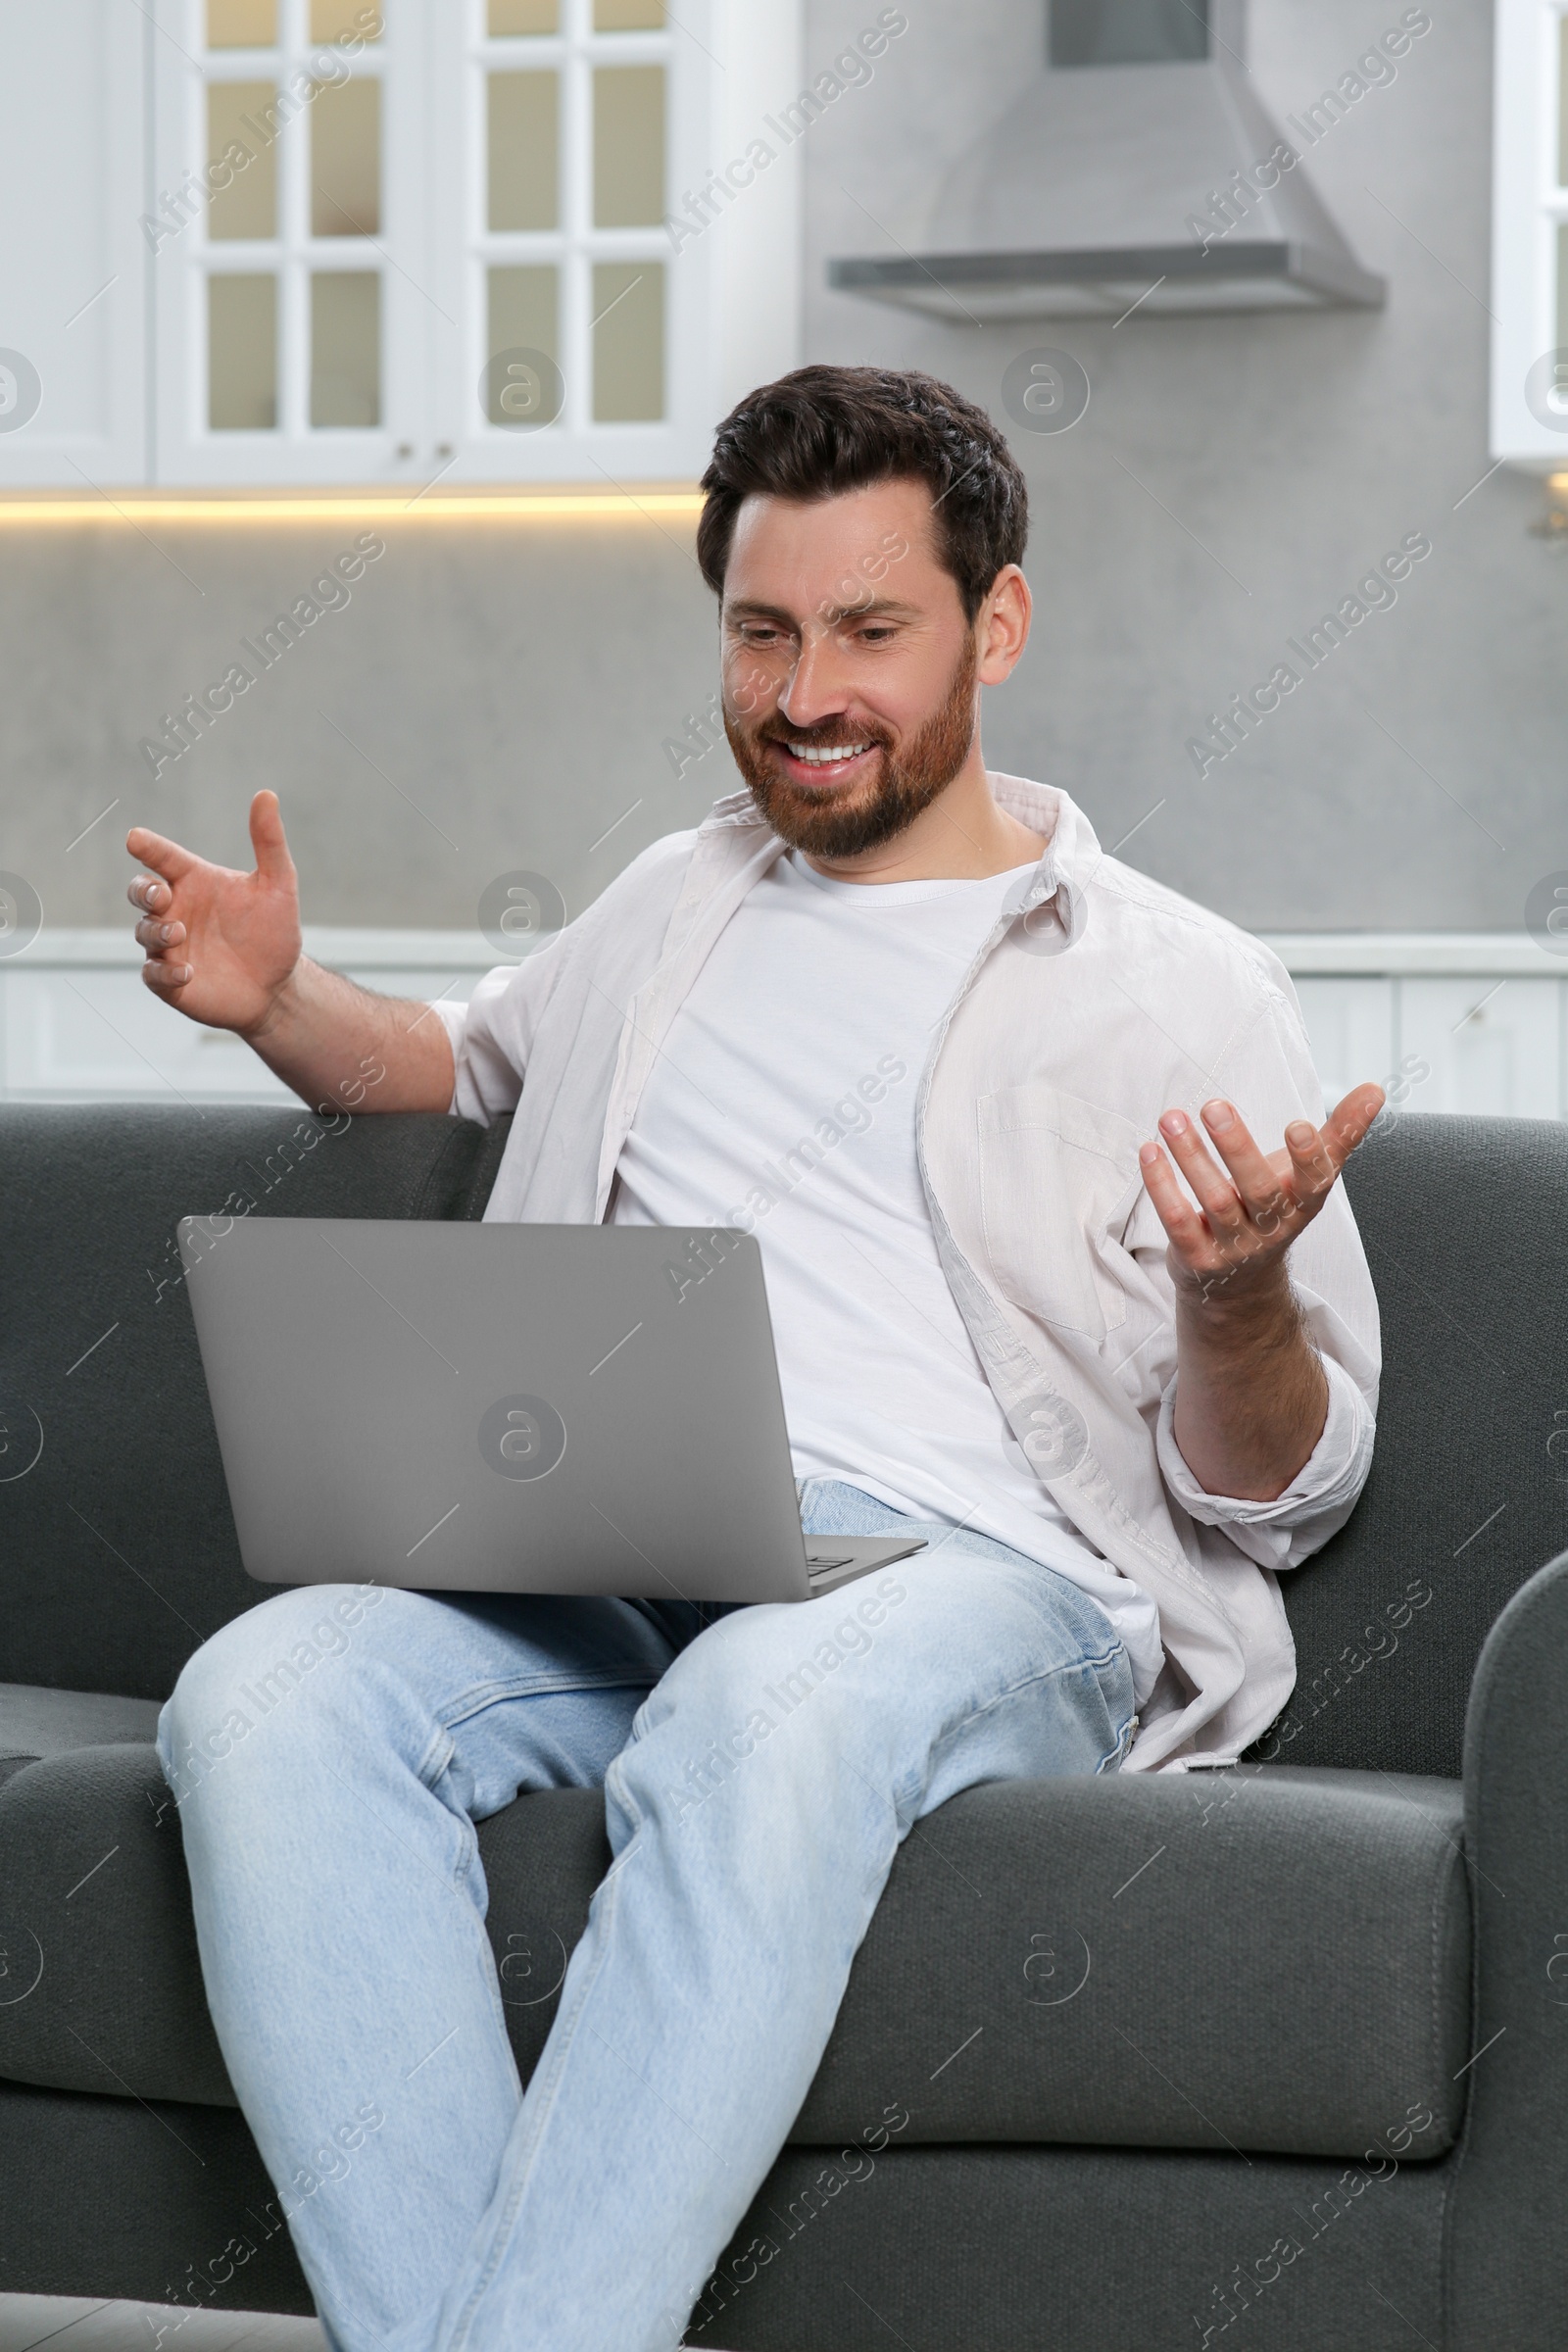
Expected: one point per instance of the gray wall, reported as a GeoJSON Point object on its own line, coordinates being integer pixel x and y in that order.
{"type": "Point", "coordinates": [506, 692]}
{"type": "Point", "coordinates": [518, 686]}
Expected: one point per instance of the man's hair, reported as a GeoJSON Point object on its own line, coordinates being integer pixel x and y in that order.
{"type": "Point", "coordinates": [823, 430]}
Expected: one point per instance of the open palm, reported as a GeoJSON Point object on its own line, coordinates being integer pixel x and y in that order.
{"type": "Point", "coordinates": [1250, 1209]}
{"type": "Point", "coordinates": [220, 944]}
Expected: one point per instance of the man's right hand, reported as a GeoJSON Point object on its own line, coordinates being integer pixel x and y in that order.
{"type": "Point", "coordinates": [221, 945]}
{"type": "Point", "coordinates": [226, 948]}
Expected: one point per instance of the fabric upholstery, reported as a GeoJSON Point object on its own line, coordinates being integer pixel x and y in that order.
{"type": "Point", "coordinates": [98, 1917]}
{"type": "Point", "coordinates": [117, 1549]}
{"type": "Point", "coordinates": [1258, 1960]}
{"type": "Point", "coordinates": [1465, 1222]}
{"type": "Point", "coordinates": [1264, 1959]}
{"type": "Point", "coordinates": [37, 1723]}
{"type": "Point", "coordinates": [1011, 2249]}
{"type": "Point", "coordinates": [1506, 2256]}
{"type": "Point", "coordinates": [105, 2196]}
{"type": "Point", "coordinates": [942, 2249]}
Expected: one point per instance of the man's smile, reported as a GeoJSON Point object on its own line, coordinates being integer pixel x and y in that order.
{"type": "Point", "coordinates": [816, 765]}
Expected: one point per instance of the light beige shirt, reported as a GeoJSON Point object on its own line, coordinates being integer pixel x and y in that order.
{"type": "Point", "coordinates": [1101, 1000]}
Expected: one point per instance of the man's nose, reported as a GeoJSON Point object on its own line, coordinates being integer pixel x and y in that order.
{"type": "Point", "coordinates": [817, 687]}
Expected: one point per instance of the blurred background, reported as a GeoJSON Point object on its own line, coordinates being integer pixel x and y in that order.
{"type": "Point", "coordinates": [357, 368]}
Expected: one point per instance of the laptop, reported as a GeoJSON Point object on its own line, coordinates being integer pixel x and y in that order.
{"type": "Point", "coordinates": [505, 1408]}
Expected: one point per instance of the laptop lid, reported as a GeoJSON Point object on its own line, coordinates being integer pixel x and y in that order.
{"type": "Point", "coordinates": [554, 1409]}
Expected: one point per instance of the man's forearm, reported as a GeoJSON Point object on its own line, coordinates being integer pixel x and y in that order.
{"type": "Point", "coordinates": [1252, 1395]}
{"type": "Point", "coordinates": [334, 1042]}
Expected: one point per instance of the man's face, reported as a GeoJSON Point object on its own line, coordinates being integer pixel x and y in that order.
{"type": "Point", "coordinates": [850, 694]}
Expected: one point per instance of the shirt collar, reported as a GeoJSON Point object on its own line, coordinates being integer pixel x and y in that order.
{"type": "Point", "coordinates": [1071, 857]}
{"type": "Point", "coordinates": [1072, 852]}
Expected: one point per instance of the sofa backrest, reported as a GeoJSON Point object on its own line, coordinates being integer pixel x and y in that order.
{"type": "Point", "coordinates": [1466, 1225]}
{"type": "Point", "coordinates": [117, 1549]}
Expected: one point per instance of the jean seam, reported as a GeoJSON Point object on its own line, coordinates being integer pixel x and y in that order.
{"type": "Point", "coordinates": [442, 1745]}
{"type": "Point", "coordinates": [476, 1699]}
{"type": "Point", "coordinates": [1028, 1681]}
{"type": "Point", "coordinates": [467, 1855]}
{"type": "Point", "coordinates": [1119, 1753]}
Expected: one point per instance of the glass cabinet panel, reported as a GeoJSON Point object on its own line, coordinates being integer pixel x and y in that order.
{"type": "Point", "coordinates": [507, 17]}
{"type": "Point", "coordinates": [628, 146]}
{"type": "Point", "coordinates": [242, 353]}
{"type": "Point", "coordinates": [241, 24]}
{"type": "Point", "coordinates": [628, 15]}
{"type": "Point", "coordinates": [346, 158]}
{"type": "Point", "coordinates": [336, 19]}
{"type": "Point", "coordinates": [524, 315]}
{"type": "Point", "coordinates": [346, 346]}
{"type": "Point", "coordinates": [238, 119]}
{"type": "Point", "coordinates": [524, 151]}
{"type": "Point", "coordinates": [628, 342]}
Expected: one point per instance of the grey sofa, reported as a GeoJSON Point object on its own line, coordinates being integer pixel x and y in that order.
{"type": "Point", "coordinates": [1270, 2058]}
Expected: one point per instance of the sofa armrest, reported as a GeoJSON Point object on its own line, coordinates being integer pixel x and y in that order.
{"type": "Point", "coordinates": [1506, 2254]}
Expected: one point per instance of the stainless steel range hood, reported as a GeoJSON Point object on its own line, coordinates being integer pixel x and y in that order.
{"type": "Point", "coordinates": [1140, 167]}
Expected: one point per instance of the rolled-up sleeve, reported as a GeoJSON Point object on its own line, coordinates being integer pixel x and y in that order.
{"type": "Point", "coordinates": [492, 1034]}
{"type": "Point", "coordinates": [454, 1019]}
{"type": "Point", "coordinates": [1269, 1074]}
{"type": "Point", "coordinates": [1319, 1498]}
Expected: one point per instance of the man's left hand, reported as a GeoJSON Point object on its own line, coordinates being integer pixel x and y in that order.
{"type": "Point", "coordinates": [1251, 1207]}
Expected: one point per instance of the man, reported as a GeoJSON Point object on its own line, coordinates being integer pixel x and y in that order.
{"type": "Point", "coordinates": [907, 1023]}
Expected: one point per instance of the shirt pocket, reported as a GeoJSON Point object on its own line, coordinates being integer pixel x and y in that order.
{"type": "Point", "coordinates": [1059, 1178]}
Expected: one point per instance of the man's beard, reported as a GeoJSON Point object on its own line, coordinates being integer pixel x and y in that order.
{"type": "Point", "coordinates": [907, 781]}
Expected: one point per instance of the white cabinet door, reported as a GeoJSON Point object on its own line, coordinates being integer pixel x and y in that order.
{"type": "Point", "coordinates": [1350, 1027]}
{"type": "Point", "coordinates": [72, 256]}
{"type": "Point", "coordinates": [1493, 1046]}
{"type": "Point", "coordinates": [291, 282]}
{"type": "Point", "coordinates": [581, 336]}
{"type": "Point", "coordinates": [1530, 234]}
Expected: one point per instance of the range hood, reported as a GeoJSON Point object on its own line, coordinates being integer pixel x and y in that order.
{"type": "Point", "coordinates": [1138, 168]}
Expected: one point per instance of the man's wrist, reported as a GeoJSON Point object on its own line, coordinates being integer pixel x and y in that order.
{"type": "Point", "coordinates": [283, 1007]}
{"type": "Point", "coordinates": [1246, 1305]}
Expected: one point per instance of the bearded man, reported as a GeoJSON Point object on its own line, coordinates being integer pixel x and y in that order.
{"type": "Point", "coordinates": [1060, 1278]}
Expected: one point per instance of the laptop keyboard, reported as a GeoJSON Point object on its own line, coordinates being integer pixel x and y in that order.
{"type": "Point", "coordinates": [819, 1561]}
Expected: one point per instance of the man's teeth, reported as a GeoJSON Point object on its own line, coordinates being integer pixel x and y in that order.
{"type": "Point", "coordinates": [821, 758]}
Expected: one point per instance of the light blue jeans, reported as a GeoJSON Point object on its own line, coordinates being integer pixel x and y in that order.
{"type": "Point", "coordinates": [331, 1752]}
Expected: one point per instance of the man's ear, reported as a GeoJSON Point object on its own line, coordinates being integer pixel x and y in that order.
{"type": "Point", "coordinates": [1001, 626]}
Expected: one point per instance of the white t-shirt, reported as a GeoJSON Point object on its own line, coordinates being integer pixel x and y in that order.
{"type": "Point", "coordinates": [783, 1102]}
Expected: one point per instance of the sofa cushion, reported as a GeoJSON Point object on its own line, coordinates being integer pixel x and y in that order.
{"type": "Point", "coordinates": [102, 1987]}
{"type": "Point", "coordinates": [35, 1722]}
{"type": "Point", "coordinates": [1268, 1959]}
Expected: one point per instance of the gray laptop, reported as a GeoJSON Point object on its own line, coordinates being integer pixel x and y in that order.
{"type": "Point", "coordinates": [506, 1409]}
